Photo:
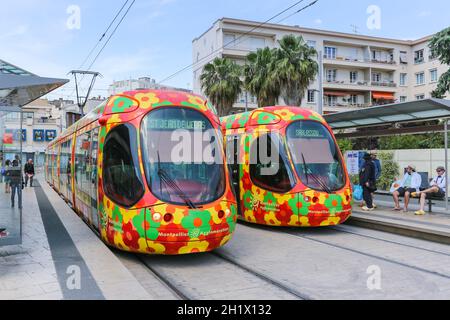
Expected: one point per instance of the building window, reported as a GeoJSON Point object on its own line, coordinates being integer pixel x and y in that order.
{"type": "Point", "coordinates": [376, 77]}
{"type": "Point", "coordinates": [353, 99]}
{"type": "Point", "coordinates": [330, 53]}
{"type": "Point", "coordinates": [377, 55]}
{"type": "Point", "coordinates": [229, 40]}
{"type": "Point", "coordinates": [420, 78]}
{"type": "Point", "coordinates": [257, 43]}
{"type": "Point", "coordinates": [331, 75]}
{"type": "Point", "coordinates": [403, 57]}
{"type": "Point", "coordinates": [353, 76]}
{"type": "Point", "coordinates": [311, 96]}
{"type": "Point", "coordinates": [331, 101]}
{"type": "Point", "coordinates": [432, 56]}
{"type": "Point", "coordinates": [403, 79]}
{"type": "Point", "coordinates": [434, 75]}
{"type": "Point", "coordinates": [419, 56]}
{"type": "Point", "coordinates": [403, 98]}
{"type": "Point", "coordinates": [311, 43]}
{"type": "Point", "coordinates": [420, 97]}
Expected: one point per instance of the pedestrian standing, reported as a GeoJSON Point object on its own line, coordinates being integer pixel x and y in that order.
{"type": "Point", "coordinates": [367, 182]}
{"type": "Point", "coordinates": [5, 174]}
{"type": "Point", "coordinates": [29, 172]}
{"type": "Point", "coordinates": [16, 183]}
{"type": "Point", "coordinates": [378, 169]}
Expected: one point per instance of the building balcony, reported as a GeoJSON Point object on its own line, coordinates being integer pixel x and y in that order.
{"type": "Point", "coordinates": [361, 85]}
{"type": "Point", "coordinates": [361, 62]}
{"type": "Point", "coordinates": [45, 121]}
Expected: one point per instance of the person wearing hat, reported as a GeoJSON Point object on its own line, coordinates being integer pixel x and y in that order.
{"type": "Point", "coordinates": [437, 188]}
{"type": "Point", "coordinates": [410, 183]}
{"type": "Point", "coordinates": [367, 182]}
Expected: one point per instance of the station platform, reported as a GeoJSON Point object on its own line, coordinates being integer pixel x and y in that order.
{"type": "Point", "coordinates": [58, 246]}
{"type": "Point", "coordinates": [434, 226]}
{"type": "Point", "coordinates": [60, 257]}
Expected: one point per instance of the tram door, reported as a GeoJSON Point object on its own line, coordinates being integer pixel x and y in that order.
{"type": "Point", "coordinates": [93, 179]}
{"type": "Point", "coordinates": [233, 160]}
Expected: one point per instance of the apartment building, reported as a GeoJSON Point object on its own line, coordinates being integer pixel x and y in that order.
{"type": "Point", "coordinates": [141, 83]}
{"type": "Point", "coordinates": [359, 71]}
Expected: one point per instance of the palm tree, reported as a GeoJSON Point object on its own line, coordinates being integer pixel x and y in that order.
{"type": "Point", "coordinates": [222, 84]}
{"type": "Point", "coordinates": [257, 72]}
{"type": "Point", "coordinates": [440, 48]}
{"type": "Point", "coordinates": [294, 68]}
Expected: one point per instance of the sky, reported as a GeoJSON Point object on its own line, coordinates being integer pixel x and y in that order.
{"type": "Point", "coordinates": [46, 37]}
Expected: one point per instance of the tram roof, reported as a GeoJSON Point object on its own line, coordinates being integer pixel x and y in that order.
{"type": "Point", "coordinates": [414, 111]}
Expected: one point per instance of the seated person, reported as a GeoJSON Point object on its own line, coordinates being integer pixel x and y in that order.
{"type": "Point", "coordinates": [410, 183]}
{"type": "Point", "coordinates": [437, 188]}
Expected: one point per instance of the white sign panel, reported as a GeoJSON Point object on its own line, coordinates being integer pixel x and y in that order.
{"type": "Point", "coordinates": [353, 162]}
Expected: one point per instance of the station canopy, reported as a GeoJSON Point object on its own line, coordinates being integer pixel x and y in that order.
{"type": "Point", "coordinates": [414, 111]}
{"type": "Point", "coordinates": [19, 87]}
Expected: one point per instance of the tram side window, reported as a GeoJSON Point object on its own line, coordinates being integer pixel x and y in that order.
{"type": "Point", "coordinates": [122, 181]}
{"type": "Point", "coordinates": [62, 160]}
{"type": "Point", "coordinates": [274, 175]}
{"type": "Point", "coordinates": [94, 154]}
{"type": "Point", "coordinates": [83, 166]}
{"type": "Point", "coordinates": [69, 165]}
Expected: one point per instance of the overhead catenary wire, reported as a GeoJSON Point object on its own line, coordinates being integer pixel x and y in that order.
{"type": "Point", "coordinates": [103, 35]}
{"type": "Point", "coordinates": [110, 36]}
{"type": "Point", "coordinates": [235, 41]}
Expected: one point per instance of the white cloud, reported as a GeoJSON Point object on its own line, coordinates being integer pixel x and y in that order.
{"type": "Point", "coordinates": [424, 14]}
{"type": "Point", "coordinates": [318, 21]}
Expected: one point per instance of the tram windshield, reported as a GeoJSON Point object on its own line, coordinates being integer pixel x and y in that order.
{"type": "Point", "coordinates": [315, 155]}
{"type": "Point", "coordinates": [182, 158]}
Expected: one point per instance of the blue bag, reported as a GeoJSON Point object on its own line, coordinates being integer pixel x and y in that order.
{"type": "Point", "coordinates": [357, 193]}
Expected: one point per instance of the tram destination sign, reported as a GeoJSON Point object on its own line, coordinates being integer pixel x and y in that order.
{"type": "Point", "coordinates": [302, 133]}
{"type": "Point", "coordinates": [176, 124]}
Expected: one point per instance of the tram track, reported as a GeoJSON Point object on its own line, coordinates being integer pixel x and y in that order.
{"type": "Point", "coordinates": [294, 233]}
{"type": "Point", "coordinates": [374, 256]}
{"type": "Point", "coordinates": [262, 276]}
{"type": "Point", "coordinates": [340, 229]}
{"type": "Point", "coordinates": [173, 286]}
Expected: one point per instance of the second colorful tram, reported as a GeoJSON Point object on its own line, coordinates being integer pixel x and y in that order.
{"type": "Point", "coordinates": [286, 167]}
{"type": "Point", "coordinates": [120, 168]}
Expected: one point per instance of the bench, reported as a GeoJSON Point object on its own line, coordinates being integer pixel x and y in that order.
{"type": "Point", "coordinates": [425, 185]}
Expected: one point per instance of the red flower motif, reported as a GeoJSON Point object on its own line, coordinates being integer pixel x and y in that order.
{"type": "Point", "coordinates": [130, 236]}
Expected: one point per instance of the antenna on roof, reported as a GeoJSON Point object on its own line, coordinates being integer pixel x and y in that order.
{"type": "Point", "coordinates": [355, 28]}
{"type": "Point", "coordinates": [81, 101]}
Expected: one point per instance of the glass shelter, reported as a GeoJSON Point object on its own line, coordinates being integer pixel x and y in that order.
{"type": "Point", "coordinates": [17, 88]}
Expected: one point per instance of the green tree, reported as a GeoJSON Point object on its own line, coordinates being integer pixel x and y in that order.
{"type": "Point", "coordinates": [345, 145]}
{"type": "Point", "coordinates": [389, 170]}
{"type": "Point", "coordinates": [423, 141]}
{"type": "Point", "coordinates": [294, 68]}
{"type": "Point", "coordinates": [440, 48]}
{"type": "Point", "coordinates": [257, 73]}
{"type": "Point", "coordinates": [222, 84]}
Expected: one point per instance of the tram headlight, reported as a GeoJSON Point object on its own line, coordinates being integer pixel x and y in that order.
{"type": "Point", "coordinates": [157, 217]}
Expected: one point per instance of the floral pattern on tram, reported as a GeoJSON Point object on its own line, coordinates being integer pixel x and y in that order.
{"type": "Point", "coordinates": [300, 206]}
{"type": "Point", "coordinates": [151, 225]}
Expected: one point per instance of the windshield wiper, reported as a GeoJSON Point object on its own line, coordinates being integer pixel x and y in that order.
{"type": "Point", "coordinates": [316, 179]}
{"type": "Point", "coordinates": [164, 177]}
